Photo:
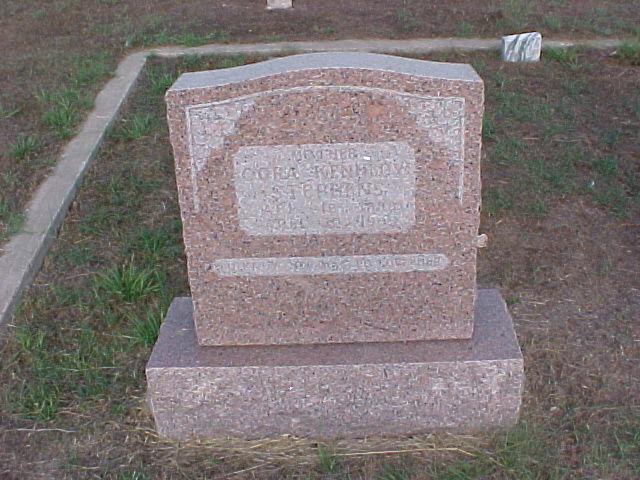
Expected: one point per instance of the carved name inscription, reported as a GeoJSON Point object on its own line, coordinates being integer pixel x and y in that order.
{"type": "Point", "coordinates": [396, 263]}
{"type": "Point", "coordinates": [339, 188]}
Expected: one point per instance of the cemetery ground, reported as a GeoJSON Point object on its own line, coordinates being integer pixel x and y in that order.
{"type": "Point", "coordinates": [561, 207]}
{"type": "Point", "coordinates": [56, 54]}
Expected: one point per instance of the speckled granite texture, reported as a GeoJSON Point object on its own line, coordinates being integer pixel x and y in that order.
{"type": "Point", "coordinates": [335, 390]}
{"type": "Point", "coordinates": [360, 156]}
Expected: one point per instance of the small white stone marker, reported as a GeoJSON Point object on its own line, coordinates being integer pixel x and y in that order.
{"type": "Point", "coordinates": [523, 47]}
{"type": "Point", "coordinates": [279, 4]}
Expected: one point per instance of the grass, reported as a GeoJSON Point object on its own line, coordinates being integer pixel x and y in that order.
{"type": "Point", "coordinates": [91, 69]}
{"type": "Point", "coordinates": [465, 29]}
{"type": "Point", "coordinates": [325, 31]}
{"type": "Point", "coordinates": [566, 56]}
{"type": "Point", "coordinates": [81, 362]}
{"type": "Point", "coordinates": [406, 20]}
{"type": "Point", "coordinates": [127, 283]}
{"type": "Point", "coordinates": [10, 221]}
{"type": "Point", "coordinates": [552, 121]}
{"type": "Point", "coordinates": [156, 244]}
{"type": "Point", "coordinates": [160, 79]}
{"type": "Point", "coordinates": [327, 462]}
{"type": "Point", "coordinates": [64, 108]}
{"type": "Point", "coordinates": [78, 255]}
{"type": "Point", "coordinates": [393, 472]}
{"type": "Point", "coordinates": [553, 23]}
{"type": "Point", "coordinates": [136, 127]}
{"type": "Point", "coordinates": [85, 329]}
{"type": "Point", "coordinates": [144, 331]}
{"type": "Point", "coordinates": [165, 37]}
{"type": "Point", "coordinates": [230, 62]}
{"type": "Point", "coordinates": [24, 146]}
{"type": "Point", "coordinates": [7, 112]}
{"type": "Point", "coordinates": [515, 15]}
{"type": "Point", "coordinates": [60, 107]}
{"type": "Point", "coordinates": [629, 52]}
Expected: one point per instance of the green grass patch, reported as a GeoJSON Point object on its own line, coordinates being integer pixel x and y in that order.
{"type": "Point", "coordinates": [160, 79]}
{"type": "Point", "coordinates": [515, 15]}
{"type": "Point", "coordinates": [78, 255]}
{"type": "Point", "coordinates": [326, 30]}
{"type": "Point", "coordinates": [192, 62]}
{"type": "Point", "coordinates": [574, 86]}
{"type": "Point", "coordinates": [465, 29]}
{"type": "Point", "coordinates": [38, 400]}
{"type": "Point", "coordinates": [154, 245]}
{"type": "Point", "coordinates": [127, 283]}
{"type": "Point", "coordinates": [8, 112]}
{"type": "Point", "coordinates": [328, 463]}
{"type": "Point", "coordinates": [124, 193]}
{"type": "Point", "coordinates": [24, 146]}
{"type": "Point", "coordinates": [606, 166]}
{"type": "Point", "coordinates": [63, 108]}
{"type": "Point", "coordinates": [393, 472]}
{"type": "Point", "coordinates": [144, 329]}
{"type": "Point", "coordinates": [272, 38]}
{"type": "Point", "coordinates": [629, 52]}
{"type": "Point", "coordinates": [497, 200]}
{"type": "Point", "coordinates": [230, 61]}
{"type": "Point", "coordinates": [138, 126]}
{"type": "Point", "coordinates": [609, 194]}
{"type": "Point", "coordinates": [553, 23]}
{"type": "Point", "coordinates": [568, 57]}
{"type": "Point", "coordinates": [10, 221]}
{"type": "Point", "coordinates": [89, 70]}
{"type": "Point", "coordinates": [406, 20]}
{"type": "Point", "coordinates": [550, 159]}
{"type": "Point", "coordinates": [188, 38]}
{"type": "Point", "coordinates": [518, 106]}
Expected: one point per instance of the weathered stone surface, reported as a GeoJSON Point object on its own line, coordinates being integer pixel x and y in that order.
{"type": "Point", "coordinates": [329, 198]}
{"type": "Point", "coordinates": [279, 4]}
{"type": "Point", "coordinates": [523, 47]}
{"type": "Point", "coordinates": [335, 390]}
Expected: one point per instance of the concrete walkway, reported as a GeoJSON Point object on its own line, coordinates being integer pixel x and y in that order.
{"type": "Point", "coordinates": [24, 253]}
{"type": "Point", "coordinates": [417, 46]}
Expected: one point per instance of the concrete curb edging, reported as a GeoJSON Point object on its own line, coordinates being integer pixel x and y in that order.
{"type": "Point", "coordinates": [47, 208]}
{"type": "Point", "coordinates": [417, 46]}
{"type": "Point", "coordinates": [24, 253]}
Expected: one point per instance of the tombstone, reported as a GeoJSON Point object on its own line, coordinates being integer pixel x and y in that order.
{"type": "Point", "coordinates": [279, 4]}
{"type": "Point", "coordinates": [523, 47]}
{"type": "Point", "coordinates": [330, 206]}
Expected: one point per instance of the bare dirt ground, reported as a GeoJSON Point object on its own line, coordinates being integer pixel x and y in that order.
{"type": "Point", "coordinates": [561, 196]}
{"type": "Point", "coordinates": [56, 53]}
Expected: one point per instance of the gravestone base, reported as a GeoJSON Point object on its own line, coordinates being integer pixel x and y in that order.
{"type": "Point", "coordinates": [335, 390]}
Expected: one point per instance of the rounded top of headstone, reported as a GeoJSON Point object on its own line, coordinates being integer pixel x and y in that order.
{"type": "Point", "coordinates": [327, 60]}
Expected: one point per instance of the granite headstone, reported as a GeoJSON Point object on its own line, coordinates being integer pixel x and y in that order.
{"type": "Point", "coordinates": [329, 203]}
{"type": "Point", "coordinates": [330, 207]}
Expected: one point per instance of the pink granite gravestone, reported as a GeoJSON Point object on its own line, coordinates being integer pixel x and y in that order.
{"type": "Point", "coordinates": [330, 206]}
